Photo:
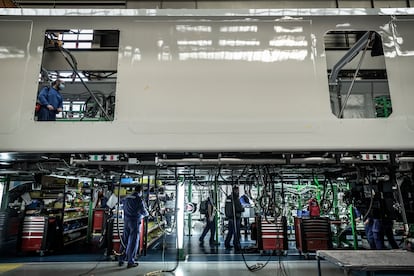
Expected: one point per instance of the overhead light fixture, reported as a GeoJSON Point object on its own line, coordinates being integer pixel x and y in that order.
{"type": "Point", "coordinates": [5, 156]}
{"type": "Point", "coordinates": [180, 194]}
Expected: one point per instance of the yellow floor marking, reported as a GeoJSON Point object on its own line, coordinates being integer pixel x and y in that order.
{"type": "Point", "coordinates": [8, 267]}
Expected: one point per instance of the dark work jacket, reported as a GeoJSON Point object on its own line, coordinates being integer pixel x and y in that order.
{"type": "Point", "coordinates": [228, 208]}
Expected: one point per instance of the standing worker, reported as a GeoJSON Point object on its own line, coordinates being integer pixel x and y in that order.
{"type": "Point", "coordinates": [210, 223]}
{"type": "Point", "coordinates": [245, 202]}
{"type": "Point", "coordinates": [134, 211]}
{"type": "Point", "coordinates": [233, 210]}
{"type": "Point", "coordinates": [368, 225]}
{"type": "Point", "coordinates": [313, 208]}
{"type": "Point", "coordinates": [51, 101]}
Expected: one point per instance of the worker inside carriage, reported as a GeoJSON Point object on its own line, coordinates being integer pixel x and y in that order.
{"type": "Point", "coordinates": [51, 101]}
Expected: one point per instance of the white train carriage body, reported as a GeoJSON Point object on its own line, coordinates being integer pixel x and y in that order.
{"type": "Point", "coordinates": [209, 80]}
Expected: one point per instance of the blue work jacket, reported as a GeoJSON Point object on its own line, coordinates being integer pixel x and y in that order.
{"type": "Point", "coordinates": [50, 96]}
{"type": "Point", "coordinates": [134, 206]}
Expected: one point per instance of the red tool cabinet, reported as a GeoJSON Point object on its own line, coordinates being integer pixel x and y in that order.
{"type": "Point", "coordinates": [273, 234]}
{"type": "Point", "coordinates": [312, 234]}
{"type": "Point", "coordinates": [34, 234]}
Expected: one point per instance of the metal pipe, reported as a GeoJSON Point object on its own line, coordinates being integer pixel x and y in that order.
{"type": "Point", "coordinates": [313, 160]}
{"type": "Point", "coordinates": [237, 161]}
{"type": "Point", "coordinates": [62, 51]}
{"type": "Point", "coordinates": [219, 161]}
{"type": "Point", "coordinates": [349, 160]}
{"type": "Point", "coordinates": [405, 159]}
{"type": "Point", "coordinates": [352, 160]}
{"type": "Point", "coordinates": [109, 163]}
{"type": "Point", "coordinates": [358, 46]}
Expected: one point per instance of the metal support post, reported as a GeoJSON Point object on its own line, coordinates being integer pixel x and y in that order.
{"type": "Point", "coordinates": [5, 195]}
{"type": "Point", "coordinates": [90, 215]}
{"type": "Point", "coordinates": [180, 196]}
{"type": "Point", "coordinates": [318, 190]}
{"type": "Point", "coordinates": [319, 265]}
{"type": "Point", "coordinates": [335, 200]}
{"type": "Point", "coordinates": [189, 215]}
{"type": "Point", "coordinates": [216, 212]}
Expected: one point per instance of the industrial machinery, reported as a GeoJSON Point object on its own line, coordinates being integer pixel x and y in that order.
{"type": "Point", "coordinates": [290, 104]}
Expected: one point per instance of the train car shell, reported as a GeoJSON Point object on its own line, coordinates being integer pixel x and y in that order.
{"type": "Point", "coordinates": [267, 94]}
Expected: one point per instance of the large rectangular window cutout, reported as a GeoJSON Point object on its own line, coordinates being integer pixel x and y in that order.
{"type": "Point", "coordinates": [78, 75]}
{"type": "Point", "coordinates": [357, 76]}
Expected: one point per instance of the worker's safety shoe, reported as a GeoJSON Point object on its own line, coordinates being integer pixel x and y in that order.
{"type": "Point", "coordinates": [132, 265]}
{"type": "Point", "coordinates": [214, 243]}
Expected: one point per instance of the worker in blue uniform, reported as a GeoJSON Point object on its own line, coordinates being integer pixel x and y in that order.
{"type": "Point", "coordinates": [210, 222]}
{"type": "Point", "coordinates": [383, 227]}
{"type": "Point", "coordinates": [233, 210]}
{"type": "Point", "coordinates": [51, 101]}
{"type": "Point", "coordinates": [368, 225]}
{"type": "Point", "coordinates": [134, 210]}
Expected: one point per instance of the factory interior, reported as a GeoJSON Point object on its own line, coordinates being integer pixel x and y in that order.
{"type": "Point", "coordinates": [62, 212]}
{"type": "Point", "coordinates": [64, 208]}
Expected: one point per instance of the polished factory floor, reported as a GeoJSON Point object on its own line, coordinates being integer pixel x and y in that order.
{"type": "Point", "coordinates": [197, 259]}
{"type": "Point", "coordinates": [293, 268]}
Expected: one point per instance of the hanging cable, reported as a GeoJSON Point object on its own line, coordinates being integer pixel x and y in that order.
{"type": "Point", "coordinates": [73, 65]}
{"type": "Point", "coordinates": [257, 266]}
{"type": "Point", "coordinates": [177, 259]}
{"type": "Point", "coordinates": [371, 193]}
{"type": "Point", "coordinates": [326, 204]}
{"type": "Point", "coordinates": [117, 218]}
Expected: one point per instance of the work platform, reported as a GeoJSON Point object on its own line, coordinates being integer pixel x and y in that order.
{"type": "Point", "coordinates": [399, 262]}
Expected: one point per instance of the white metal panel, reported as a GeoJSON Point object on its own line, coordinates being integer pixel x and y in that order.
{"type": "Point", "coordinates": [401, 60]}
{"type": "Point", "coordinates": [214, 86]}
{"type": "Point", "coordinates": [15, 36]}
{"type": "Point", "coordinates": [220, 99]}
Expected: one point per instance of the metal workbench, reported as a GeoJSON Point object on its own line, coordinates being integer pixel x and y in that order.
{"type": "Point", "coordinates": [370, 261]}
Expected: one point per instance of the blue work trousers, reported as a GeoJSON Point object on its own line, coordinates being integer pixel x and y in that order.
{"type": "Point", "coordinates": [130, 239]}
{"type": "Point", "coordinates": [370, 235]}
{"type": "Point", "coordinates": [210, 226]}
{"type": "Point", "coordinates": [378, 234]}
{"type": "Point", "coordinates": [233, 232]}
{"type": "Point", "coordinates": [46, 114]}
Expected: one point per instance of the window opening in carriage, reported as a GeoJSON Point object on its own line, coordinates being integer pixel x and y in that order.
{"type": "Point", "coordinates": [85, 61]}
{"type": "Point", "coordinates": [357, 75]}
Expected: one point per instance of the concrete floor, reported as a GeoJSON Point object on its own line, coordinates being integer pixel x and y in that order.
{"type": "Point", "coordinates": [199, 261]}
{"type": "Point", "coordinates": [291, 268]}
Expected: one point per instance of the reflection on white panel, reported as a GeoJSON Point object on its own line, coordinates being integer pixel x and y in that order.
{"type": "Point", "coordinates": [189, 28]}
{"type": "Point", "coordinates": [15, 40]}
{"type": "Point", "coordinates": [238, 29]}
{"type": "Point", "coordinates": [137, 55]}
{"type": "Point", "coordinates": [289, 41]}
{"type": "Point", "coordinates": [194, 42]}
{"type": "Point", "coordinates": [283, 29]}
{"type": "Point", "coordinates": [11, 52]}
{"type": "Point", "coordinates": [261, 56]}
{"type": "Point", "coordinates": [402, 39]}
{"type": "Point", "coordinates": [127, 51]}
{"type": "Point", "coordinates": [205, 46]}
{"type": "Point", "coordinates": [165, 54]}
{"type": "Point", "coordinates": [236, 43]}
